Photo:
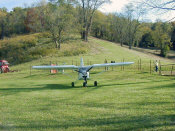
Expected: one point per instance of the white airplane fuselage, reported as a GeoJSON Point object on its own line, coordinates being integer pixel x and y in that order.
{"type": "Point", "coordinates": [81, 76]}
{"type": "Point", "coordinates": [83, 71]}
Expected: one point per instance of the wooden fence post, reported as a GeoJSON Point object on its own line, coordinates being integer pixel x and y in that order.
{"type": "Point", "coordinates": [172, 70]}
{"type": "Point", "coordinates": [140, 64]}
{"type": "Point", "coordinates": [72, 64]}
{"type": "Point", "coordinates": [123, 65]}
{"type": "Point", "coordinates": [160, 69]}
{"type": "Point", "coordinates": [150, 66]}
{"type": "Point", "coordinates": [50, 64]}
{"type": "Point", "coordinates": [30, 70]}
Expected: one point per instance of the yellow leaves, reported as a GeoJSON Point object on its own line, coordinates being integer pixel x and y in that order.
{"type": "Point", "coordinates": [2, 15]}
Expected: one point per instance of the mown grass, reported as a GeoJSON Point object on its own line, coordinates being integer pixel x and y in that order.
{"type": "Point", "coordinates": [123, 100]}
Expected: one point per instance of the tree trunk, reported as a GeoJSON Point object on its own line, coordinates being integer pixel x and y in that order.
{"type": "Point", "coordinates": [86, 36]}
{"type": "Point", "coordinates": [57, 45]}
{"type": "Point", "coordinates": [96, 33]}
{"type": "Point", "coordinates": [2, 31]}
{"type": "Point", "coordinates": [101, 34]}
{"type": "Point", "coordinates": [83, 35]}
{"type": "Point", "coordinates": [121, 42]}
{"type": "Point", "coordinates": [130, 45]}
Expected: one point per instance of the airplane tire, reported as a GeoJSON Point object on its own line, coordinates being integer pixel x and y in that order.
{"type": "Point", "coordinates": [84, 84]}
{"type": "Point", "coordinates": [95, 83]}
{"type": "Point", "coordinates": [73, 84]}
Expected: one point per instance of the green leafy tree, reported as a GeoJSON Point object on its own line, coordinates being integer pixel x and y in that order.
{"type": "Point", "coordinates": [58, 21]}
{"type": "Point", "coordinates": [120, 29]}
{"type": "Point", "coordinates": [133, 14]}
{"type": "Point", "coordinates": [143, 36]}
{"type": "Point", "coordinates": [173, 37]}
{"type": "Point", "coordinates": [3, 13]}
{"type": "Point", "coordinates": [87, 10]}
{"type": "Point", "coordinates": [15, 21]}
{"type": "Point", "coordinates": [162, 38]}
{"type": "Point", "coordinates": [98, 24]}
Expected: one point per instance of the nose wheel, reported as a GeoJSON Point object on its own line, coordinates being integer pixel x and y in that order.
{"type": "Point", "coordinates": [95, 83]}
{"type": "Point", "coordinates": [84, 84]}
{"type": "Point", "coordinates": [73, 84]}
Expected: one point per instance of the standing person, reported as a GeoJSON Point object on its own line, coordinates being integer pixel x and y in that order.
{"type": "Point", "coordinates": [156, 66]}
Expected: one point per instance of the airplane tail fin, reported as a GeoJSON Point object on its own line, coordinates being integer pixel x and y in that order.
{"type": "Point", "coordinates": [81, 62]}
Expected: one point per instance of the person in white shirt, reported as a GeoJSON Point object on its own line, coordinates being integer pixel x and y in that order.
{"type": "Point", "coordinates": [156, 66]}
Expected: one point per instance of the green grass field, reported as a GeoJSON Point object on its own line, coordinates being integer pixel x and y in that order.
{"type": "Point", "coordinates": [123, 100]}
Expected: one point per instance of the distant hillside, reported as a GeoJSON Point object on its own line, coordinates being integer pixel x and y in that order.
{"type": "Point", "coordinates": [25, 48]}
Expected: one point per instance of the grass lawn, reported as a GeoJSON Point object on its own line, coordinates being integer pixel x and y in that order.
{"type": "Point", "coordinates": [123, 100]}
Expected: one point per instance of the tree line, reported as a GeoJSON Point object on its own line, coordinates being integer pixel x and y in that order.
{"type": "Point", "coordinates": [61, 18]}
{"type": "Point", "coordinates": [124, 30]}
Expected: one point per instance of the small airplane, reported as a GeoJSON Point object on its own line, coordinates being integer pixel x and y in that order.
{"type": "Point", "coordinates": [83, 71]}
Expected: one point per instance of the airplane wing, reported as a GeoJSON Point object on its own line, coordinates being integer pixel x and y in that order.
{"type": "Point", "coordinates": [56, 67]}
{"type": "Point", "coordinates": [112, 64]}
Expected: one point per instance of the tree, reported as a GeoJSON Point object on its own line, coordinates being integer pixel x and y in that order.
{"type": "Point", "coordinates": [35, 17]}
{"type": "Point", "coordinates": [147, 40]}
{"type": "Point", "coordinates": [3, 13]}
{"type": "Point", "coordinates": [120, 28]}
{"type": "Point", "coordinates": [87, 9]}
{"type": "Point", "coordinates": [98, 24]}
{"type": "Point", "coordinates": [133, 15]}
{"type": "Point", "coordinates": [31, 19]}
{"type": "Point", "coordinates": [161, 37]}
{"type": "Point", "coordinates": [173, 38]}
{"type": "Point", "coordinates": [161, 5]}
{"type": "Point", "coordinates": [144, 36]}
{"type": "Point", "coordinates": [58, 21]}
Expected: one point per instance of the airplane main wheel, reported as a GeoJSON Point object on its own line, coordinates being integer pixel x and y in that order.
{"type": "Point", "coordinates": [84, 84]}
{"type": "Point", "coordinates": [95, 83]}
{"type": "Point", "coordinates": [73, 84]}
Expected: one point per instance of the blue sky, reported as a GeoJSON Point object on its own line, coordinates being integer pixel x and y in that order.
{"type": "Point", "coordinates": [10, 4]}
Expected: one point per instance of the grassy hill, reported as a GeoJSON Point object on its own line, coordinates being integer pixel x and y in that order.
{"type": "Point", "coordinates": [124, 100]}
{"type": "Point", "coordinates": [25, 48]}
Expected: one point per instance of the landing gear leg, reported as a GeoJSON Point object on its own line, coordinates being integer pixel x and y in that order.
{"type": "Point", "coordinates": [73, 84]}
{"type": "Point", "coordinates": [95, 83]}
{"type": "Point", "coordinates": [85, 81]}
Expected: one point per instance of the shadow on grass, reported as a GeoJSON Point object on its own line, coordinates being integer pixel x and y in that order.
{"type": "Point", "coordinates": [10, 91]}
{"type": "Point", "coordinates": [112, 123]}
{"type": "Point", "coordinates": [169, 86]}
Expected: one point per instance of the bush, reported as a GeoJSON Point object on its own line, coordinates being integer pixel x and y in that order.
{"type": "Point", "coordinates": [164, 50]}
{"type": "Point", "coordinates": [28, 47]}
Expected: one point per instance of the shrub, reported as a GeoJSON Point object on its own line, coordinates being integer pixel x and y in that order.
{"type": "Point", "coordinates": [164, 50]}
